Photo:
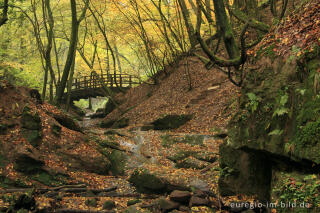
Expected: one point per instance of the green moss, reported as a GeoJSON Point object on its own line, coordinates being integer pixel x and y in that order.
{"type": "Point", "coordinates": [180, 155]}
{"type": "Point", "coordinates": [7, 183]}
{"type": "Point", "coordinates": [298, 188]}
{"type": "Point", "coordinates": [108, 144]}
{"type": "Point", "coordinates": [109, 204]}
{"type": "Point", "coordinates": [91, 202]}
{"type": "Point", "coordinates": [49, 180]}
{"type": "Point", "coordinates": [118, 161]}
{"type": "Point", "coordinates": [132, 202]}
{"type": "Point", "coordinates": [56, 130]}
{"type": "Point", "coordinates": [267, 51]}
{"type": "Point", "coordinates": [194, 139]}
{"type": "Point", "coordinates": [32, 136]}
{"type": "Point", "coordinates": [167, 141]}
{"type": "Point", "coordinates": [30, 120]}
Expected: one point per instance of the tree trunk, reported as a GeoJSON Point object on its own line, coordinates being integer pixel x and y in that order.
{"type": "Point", "coordinates": [225, 29]}
{"type": "Point", "coordinates": [72, 48]}
{"type": "Point", "coordinates": [188, 23]}
{"type": "Point", "coordinates": [4, 17]}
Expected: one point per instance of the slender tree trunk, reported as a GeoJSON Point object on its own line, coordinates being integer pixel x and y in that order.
{"type": "Point", "coordinates": [45, 80]}
{"type": "Point", "coordinates": [70, 81]}
{"type": "Point", "coordinates": [188, 23]}
{"type": "Point", "coordinates": [72, 49]}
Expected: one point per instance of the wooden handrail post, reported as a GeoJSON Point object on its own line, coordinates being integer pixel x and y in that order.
{"type": "Point", "coordinates": [130, 81]}
{"type": "Point", "coordinates": [120, 80]}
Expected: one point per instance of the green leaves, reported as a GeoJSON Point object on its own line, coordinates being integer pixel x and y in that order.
{"type": "Point", "coordinates": [253, 101]}
{"type": "Point", "coordinates": [276, 132]}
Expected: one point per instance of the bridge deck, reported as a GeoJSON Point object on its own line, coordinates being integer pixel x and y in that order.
{"type": "Point", "coordinates": [90, 86]}
{"type": "Point", "coordinates": [95, 81]}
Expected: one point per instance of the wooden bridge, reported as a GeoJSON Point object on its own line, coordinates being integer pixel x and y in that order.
{"type": "Point", "coordinates": [92, 85]}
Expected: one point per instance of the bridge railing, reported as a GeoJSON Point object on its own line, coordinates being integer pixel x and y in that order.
{"type": "Point", "coordinates": [109, 80]}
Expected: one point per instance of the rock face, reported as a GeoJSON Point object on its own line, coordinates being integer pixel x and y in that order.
{"type": "Point", "coordinates": [180, 196]}
{"type": "Point", "coordinates": [278, 124]}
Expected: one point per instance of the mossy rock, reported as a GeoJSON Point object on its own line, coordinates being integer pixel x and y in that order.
{"type": "Point", "coordinates": [30, 120]}
{"type": "Point", "coordinates": [191, 162]}
{"type": "Point", "coordinates": [113, 132]}
{"type": "Point", "coordinates": [67, 121]}
{"type": "Point", "coordinates": [145, 182]}
{"type": "Point", "coordinates": [32, 136]}
{"type": "Point", "coordinates": [109, 144]}
{"type": "Point", "coordinates": [7, 183]}
{"type": "Point", "coordinates": [49, 180]}
{"type": "Point", "coordinates": [121, 123]}
{"type": "Point", "coordinates": [206, 156]}
{"type": "Point", "coordinates": [107, 123]}
{"type": "Point", "coordinates": [118, 161]}
{"type": "Point", "coordinates": [93, 202]}
{"type": "Point", "coordinates": [28, 165]}
{"type": "Point", "coordinates": [193, 140]}
{"type": "Point", "coordinates": [132, 202]}
{"type": "Point", "coordinates": [171, 122]}
{"type": "Point", "coordinates": [133, 209]}
{"type": "Point", "coordinates": [180, 155]}
{"type": "Point", "coordinates": [56, 130]}
{"type": "Point", "coordinates": [109, 204]}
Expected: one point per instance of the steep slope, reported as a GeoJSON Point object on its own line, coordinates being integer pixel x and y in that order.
{"type": "Point", "coordinates": [210, 100]}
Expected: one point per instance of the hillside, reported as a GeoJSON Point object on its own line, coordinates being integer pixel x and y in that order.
{"type": "Point", "coordinates": [211, 99]}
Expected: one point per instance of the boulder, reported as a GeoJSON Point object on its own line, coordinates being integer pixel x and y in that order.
{"type": "Point", "coordinates": [192, 162]}
{"type": "Point", "coordinates": [171, 122]}
{"type": "Point", "coordinates": [109, 204]}
{"type": "Point", "coordinates": [66, 121]}
{"type": "Point", "coordinates": [241, 169]}
{"type": "Point", "coordinates": [167, 205]}
{"type": "Point", "coordinates": [132, 202]}
{"type": "Point", "coordinates": [107, 123]}
{"type": "Point", "coordinates": [28, 165]}
{"type": "Point", "coordinates": [91, 202]}
{"type": "Point", "coordinates": [32, 136]}
{"type": "Point", "coordinates": [197, 201]}
{"type": "Point", "coordinates": [180, 196]}
{"type": "Point", "coordinates": [147, 183]}
{"type": "Point", "coordinates": [121, 123]}
{"type": "Point", "coordinates": [30, 120]}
